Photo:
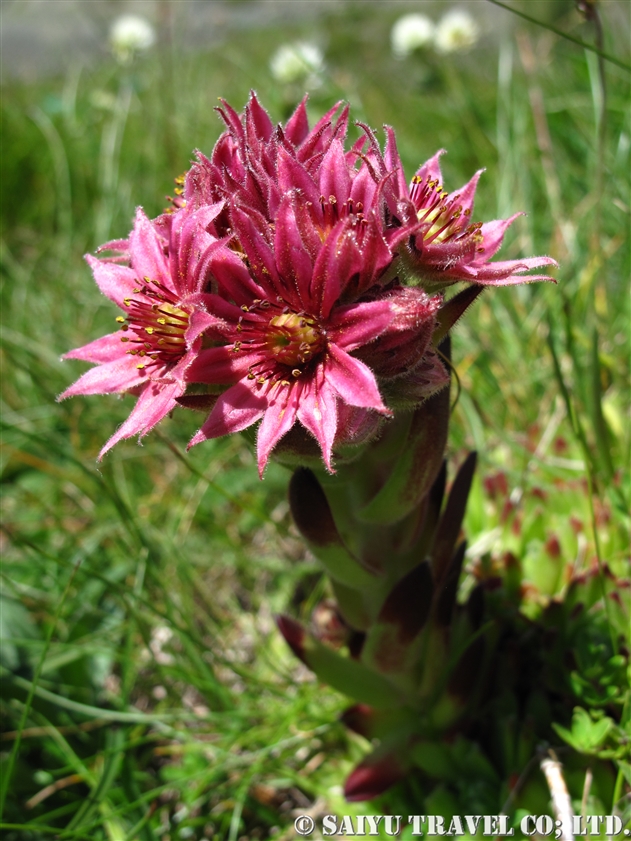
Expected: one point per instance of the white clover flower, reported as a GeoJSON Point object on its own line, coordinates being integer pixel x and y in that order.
{"type": "Point", "coordinates": [297, 61]}
{"type": "Point", "coordinates": [130, 34]}
{"type": "Point", "coordinates": [411, 32]}
{"type": "Point", "coordinates": [457, 30]}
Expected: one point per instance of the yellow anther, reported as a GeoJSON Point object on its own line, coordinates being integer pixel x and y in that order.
{"type": "Point", "coordinates": [296, 372]}
{"type": "Point", "coordinates": [120, 319]}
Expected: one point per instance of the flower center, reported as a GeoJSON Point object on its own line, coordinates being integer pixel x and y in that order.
{"type": "Point", "coordinates": [158, 328]}
{"type": "Point", "coordinates": [293, 338]}
{"type": "Point", "coordinates": [444, 218]}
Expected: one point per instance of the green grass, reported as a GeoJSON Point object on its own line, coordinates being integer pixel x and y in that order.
{"type": "Point", "coordinates": [146, 693]}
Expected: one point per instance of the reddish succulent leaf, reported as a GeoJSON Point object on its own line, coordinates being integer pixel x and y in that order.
{"type": "Point", "coordinates": [453, 309]}
{"type": "Point", "coordinates": [408, 603]}
{"type": "Point", "coordinates": [447, 597]}
{"type": "Point", "coordinates": [467, 671]}
{"type": "Point", "coordinates": [375, 775]}
{"type": "Point", "coordinates": [451, 520]}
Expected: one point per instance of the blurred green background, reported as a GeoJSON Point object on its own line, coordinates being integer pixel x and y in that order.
{"type": "Point", "coordinates": [146, 693]}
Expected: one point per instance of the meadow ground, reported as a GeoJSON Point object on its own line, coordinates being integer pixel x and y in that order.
{"type": "Point", "coordinates": [146, 692]}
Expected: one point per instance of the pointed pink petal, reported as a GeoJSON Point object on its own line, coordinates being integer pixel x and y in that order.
{"type": "Point", "coordinates": [147, 252]}
{"type": "Point", "coordinates": [337, 261]}
{"type": "Point", "coordinates": [155, 403]}
{"type": "Point", "coordinates": [364, 188]}
{"type": "Point", "coordinates": [321, 134]}
{"type": "Point", "coordinates": [106, 349]}
{"type": "Point", "coordinates": [220, 366]}
{"type": "Point", "coordinates": [510, 272]}
{"type": "Point", "coordinates": [114, 281]}
{"type": "Point", "coordinates": [292, 175]}
{"type": "Point", "coordinates": [352, 380]}
{"type": "Point", "coordinates": [223, 309]}
{"type": "Point", "coordinates": [431, 168]}
{"type": "Point", "coordinates": [110, 378]}
{"type": "Point", "coordinates": [235, 126]}
{"type": "Point", "coordinates": [376, 255]}
{"type": "Point", "coordinates": [292, 258]}
{"type": "Point", "coordinates": [114, 245]}
{"type": "Point", "coordinates": [297, 127]}
{"type": "Point", "coordinates": [233, 278]}
{"type": "Point", "coordinates": [466, 194]}
{"type": "Point", "coordinates": [492, 236]}
{"type": "Point", "coordinates": [354, 325]}
{"type": "Point", "coordinates": [317, 412]}
{"type": "Point", "coordinates": [258, 117]}
{"type": "Point", "coordinates": [334, 176]}
{"type": "Point", "coordinates": [278, 419]}
{"type": "Point", "coordinates": [235, 410]}
{"type": "Point", "coordinates": [393, 163]}
{"type": "Point", "coordinates": [192, 247]}
{"type": "Point", "coordinates": [253, 233]}
{"type": "Point", "coordinates": [198, 323]}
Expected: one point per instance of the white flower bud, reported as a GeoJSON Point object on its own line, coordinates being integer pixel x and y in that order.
{"type": "Point", "coordinates": [130, 34]}
{"type": "Point", "coordinates": [296, 61]}
{"type": "Point", "coordinates": [457, 30]}
{"type": "Point", "coordinates": [411, 32]}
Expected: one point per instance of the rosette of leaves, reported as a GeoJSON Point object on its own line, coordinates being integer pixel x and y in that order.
{"type": "Point", "coordinates": [458, 690]}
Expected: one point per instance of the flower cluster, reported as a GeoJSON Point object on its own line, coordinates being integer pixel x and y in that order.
{"type": "Point", "coordinates": [277, 288]}
{"type": "Point", "coordinates": [457, 30]}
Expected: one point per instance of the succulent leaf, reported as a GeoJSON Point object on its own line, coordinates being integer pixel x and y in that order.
{"type": "Point", "coordinates": [342, 673]}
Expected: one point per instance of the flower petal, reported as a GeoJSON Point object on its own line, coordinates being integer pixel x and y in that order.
{"type": "Point", "coordinates": [492, 235]}
{"type": "Point", "coordinates": [431, 168]}
{"type": "Point", "coordinates": [111, 378]}
{"type": "Point", "coordinates": [279, 417]}
{"type": "Point", "coordinates": [235, 410]}
{"type": "Point", "coordinates": [192, 247]}
{"type": "Point", "coordinates": [335, 179]}
{"type": "Point", "coordinates": [317, 412]}
{"type": "Point", "coordinates": [356, 324]}
{"type": "Point", "coordinates": [465, 195]}
{"type": "Point", "coordinates": [353, 381]}
{"type": "Point", "coordinates": [297, 127]}
{"type": "Point", "coordinates": [154, 403]}
{"type": "Point", "coordinates": [220, 366]}
{"type": "Point", "coordinates": [115, 282]}
{"type": "Point", "coordinates": [292, 257]}
{"type": "Point", "coordinates": [106, 349]}
{"type": "Point", "coordinates": [147, 252]}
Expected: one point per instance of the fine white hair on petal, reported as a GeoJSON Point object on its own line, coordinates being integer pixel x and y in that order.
{"type": "Point", "coordinates": [130, 34]}
{"type": "Point", "coordinates": [457, 30]}
{"type": "Point", "coordinates": [296, 61]}
{"type": "Point", "coordinates": [411, 32]}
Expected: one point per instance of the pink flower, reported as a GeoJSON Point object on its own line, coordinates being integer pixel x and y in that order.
{"type": "Point", "coordinates": [291, 338]}
{"type": "Point", "coordinates": [303, 289]}
{"type": "Point", "coordinates": [161, 293]}
{"type": "Point", "coordinates": [255, 163]}
{"type": "Point", "coordinates": [445, 245]}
